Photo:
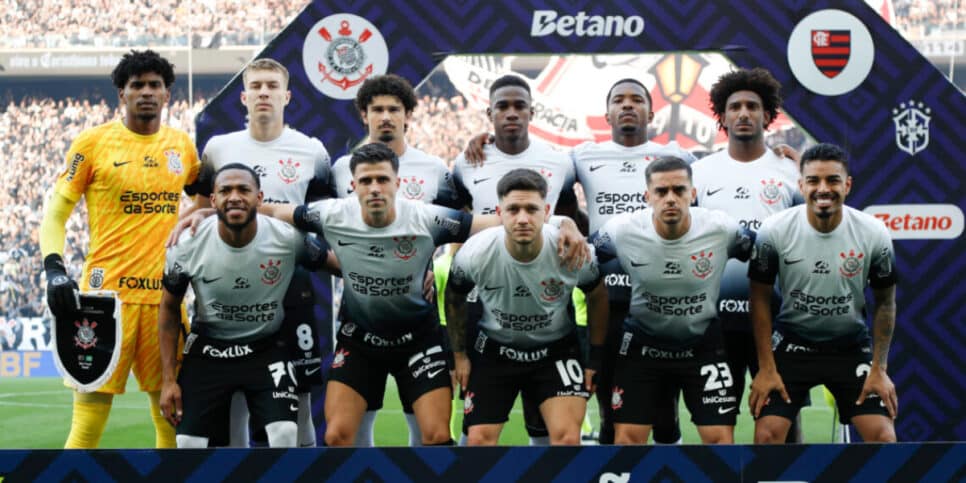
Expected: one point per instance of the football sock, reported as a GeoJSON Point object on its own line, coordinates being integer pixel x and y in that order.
{"type": "Point", "coordinates": [88, 420]}
{"type": "Point", "coordinates": [163, 430]}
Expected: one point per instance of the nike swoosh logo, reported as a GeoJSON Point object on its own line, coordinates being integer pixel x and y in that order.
{"type": "Point", "coordinates": [345, 244]}
{"type": "Point", "coordinates": [726, 410]}
{"type": "Point", "coordinates": [713, 192]}
{"type": "Point", "coordinates": [492, 288]}
{"type": "Point", "coordinates": [209, 280]}
{"type": "Point", "coordinates": [595, 168]}
{"type": "Point", "coordinates": [634, 264]}
{"type": "Point", "coordinates": [478, 181]}
{"type": "Point", "coordinates": [293, 407]}
{"type": "Point", "coordinates": [432, 374]}
{"type": "Point", "coordinates": [116, 164]}
{"type": "Point", "coordinates": [309, 372]}
{"type": "Point", "coordinates": [792, 262]}
{"type": "Point", "coordinates": [349, 191]}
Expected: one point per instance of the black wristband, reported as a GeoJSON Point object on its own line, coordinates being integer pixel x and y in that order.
{"type": "Point", "coordinates": [54, 263]}
{"type": "Point", "coordinates": [596, 357]}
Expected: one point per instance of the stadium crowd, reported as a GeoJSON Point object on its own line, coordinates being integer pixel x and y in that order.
{"type": "Point", "coordinates": [105, 23]}
{"type": "Point", "coordinates": [918, 18]}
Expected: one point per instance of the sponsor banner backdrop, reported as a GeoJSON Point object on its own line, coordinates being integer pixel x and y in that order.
{"type": "Point", "coordinates": [868, 90]}
{"type": "Point", "coordinates": [604, 464]}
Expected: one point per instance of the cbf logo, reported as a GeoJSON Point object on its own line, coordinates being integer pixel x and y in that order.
{"type": "Point", "coordinates": [85, 338]}
{"type": "Point", "coordinates": [174, 161]}
{"type": "Point", "coordinates": [340, 52]}
{"type": "Point", "coordinates": [413, 187]}
{"type": "Point", "coordinates": [702, 264]}
{"type": "Point", "coordinates": [271, 273]}
{"type": "Point", "coordinates": [288, 171]}
{"type": "Point", "coordinates": [405, 248]}
{"type": "Point", "coordinates": [912, 126]}
{"type": "Point", "coordinates": [552, 289]}
{"type": "Point", "coordinates": [770, 192]}
{"type": "Point", "coordinates": [851, 263]}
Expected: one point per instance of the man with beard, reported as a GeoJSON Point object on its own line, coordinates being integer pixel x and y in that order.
{"type": "Point", "coordinates": [131, 173]}
{"type": "Point", "coordinates": [824, 255]}
{"type": "Point", "coordinates": [240, 265]}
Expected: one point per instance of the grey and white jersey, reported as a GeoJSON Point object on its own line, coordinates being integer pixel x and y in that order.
{"type": "Point", "coordinates": [480, 181]}
{"type": "Point", "coordinates": [750, 192]}
{"type": "Point", "coordinates": [524, 303]}
{"type": "Point", "coordinates": [422, 177]}
{"type": "Point", "coordinates": [674, 283]}
{"type": "Point", "coordinates": [293, 168]}
{"type": "Point", "coordinates": [238, 291]}
{"type": "Point", "coordinates": [383, 268]}
{"type": "Point", "coordinates": [612, 176]}
{"type": "Point", "coordinates": [823, 275]}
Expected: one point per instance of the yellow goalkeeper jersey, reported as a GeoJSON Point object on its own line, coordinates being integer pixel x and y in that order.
{"type": "Point", "coordinates": [132, 184]}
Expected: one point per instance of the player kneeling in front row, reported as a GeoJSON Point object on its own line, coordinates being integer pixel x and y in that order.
{"type": "Point", "coordinates": [240, 266]}
{"type": "Point", "coordinates": [824, 255]}
{"type": "Point", "coordinates": [526, 341]}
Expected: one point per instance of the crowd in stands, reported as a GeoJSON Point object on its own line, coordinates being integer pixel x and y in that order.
{"type": "Point", "coordinates": [214, 23]}
{"type": "Point", "coordinates": [921, 18]}
{"type": "Point", "coordinates": [128, 23]}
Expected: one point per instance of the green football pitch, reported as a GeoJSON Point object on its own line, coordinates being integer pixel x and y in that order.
{"type": "Point", "coordinates": [35, 413]}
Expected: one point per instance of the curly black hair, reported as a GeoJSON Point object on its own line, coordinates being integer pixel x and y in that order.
{"type": "Point", "coordinates": [757, 80]}
{"type": "Point", "coordinates": [386, 85]}
{"type": "Point", "coordinates": [137, 62]}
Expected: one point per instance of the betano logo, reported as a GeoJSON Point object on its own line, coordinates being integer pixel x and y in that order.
{"type": "Point", "coordinates": [920, 222]}
{"type": "Point", "coordinates": [546, 22]}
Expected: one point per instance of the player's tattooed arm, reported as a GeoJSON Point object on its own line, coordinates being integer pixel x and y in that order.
{"type": "Point", "coordinates": [456, 315]}
{"type": "Point", "coordinates": [883, 324]}
{"type": "Point", "coordinates": [169, 329]}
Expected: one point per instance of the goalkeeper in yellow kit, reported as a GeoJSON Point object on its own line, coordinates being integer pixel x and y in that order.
{"type": "Point", "coordinates": [131, 172]}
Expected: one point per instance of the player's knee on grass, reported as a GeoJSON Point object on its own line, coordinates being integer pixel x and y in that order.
{"type": "Point", "coordinates": [483, 435]}
{"type": "Point", "coordinates": [631, 433]}
{"type": "Point", "coordinates": [336, 435]}
{"type": "Point", "coordinates": [282, 434]}
{"type": "Point", "coordinates": [717, 434]}
{"type": "Point", "coordinates": [191, 442]}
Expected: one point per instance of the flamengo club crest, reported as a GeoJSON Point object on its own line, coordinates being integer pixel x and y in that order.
{"type": "Point", "coordinates": [405, 248]}
{"type": "Point", "coordinates": [912, 126]}
{"type": "Point", "coordinates": [702, 264]}
{"type": "Point", "coordinates": [340, 52]}
{"type": "Point", "coordinates": [552, 289]}
{"type": "Point", "coordinates": [271, 272]}
{"type": "Point", "coordinates": [831, 50]}
{"type": "Point", "coordinates": [851, 263]}
{"type": "Point", "coordinates": [770, 192]}
{"type": "Point", "coordinates": [174, 161]}
{"type": "Point", "coordinates": [288, 170]}
{"type": "Point", "coordinates": [85, 338]}
{"type": "Point", "coordinates": [413, 188]}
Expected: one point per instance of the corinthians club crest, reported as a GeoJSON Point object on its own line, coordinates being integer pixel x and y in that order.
{"type": "Point", "coordinates": [340, 52]}
{"type": "Point", "coordinates": [85, 337]}
{"type": "Point", "coordinates": [912, 126]}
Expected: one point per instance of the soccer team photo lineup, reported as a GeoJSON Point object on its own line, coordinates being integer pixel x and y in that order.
{"type": "Point", "coordinates": [622, 242]}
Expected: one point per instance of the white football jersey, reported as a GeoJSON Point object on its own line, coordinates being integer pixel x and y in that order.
{"type": "Point", "coordinates": [422, 177]}
{"type": "Point", "coordinates": [480, 181]}
{"type": "Point", "coordinates": [293, 168]}
{"type": "Point", "coordinates": [823, 276]}
{"type": "Point", "coordinates": [238, 291]}
{"type": "Point", "coordinates": [674, 283]}
{"type": "Point", "coordinates": [524, 303]}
